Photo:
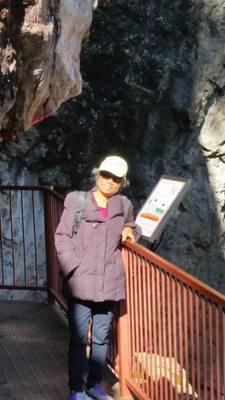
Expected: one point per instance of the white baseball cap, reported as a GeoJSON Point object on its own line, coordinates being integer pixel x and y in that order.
{"type": "Point", "coordinates": [114, 165]}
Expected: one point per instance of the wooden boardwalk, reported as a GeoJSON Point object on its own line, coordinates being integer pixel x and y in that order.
{"type": "Point", "coordinates": [33, 353]}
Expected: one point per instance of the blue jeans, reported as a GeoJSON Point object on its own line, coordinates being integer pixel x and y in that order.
{"type": "Point", "coordinates": [80, 313]}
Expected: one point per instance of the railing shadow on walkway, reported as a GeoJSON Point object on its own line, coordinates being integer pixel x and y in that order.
{"type": "Point", "coordinates": [168, 340]}
{"type": "Point", "coordinates": [33, 352]}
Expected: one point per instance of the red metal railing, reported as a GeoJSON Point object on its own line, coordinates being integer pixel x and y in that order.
{"type": "Point", "coordinates": [29, 216]}
{"type": "Point", "coordinates": [175, 341]}
{"type": "Point", "coordinates": [22, 259]}
{"type": "Point", "coordinates": [53, 206]}
{"type": "Point", "coordinates": [169, 340]}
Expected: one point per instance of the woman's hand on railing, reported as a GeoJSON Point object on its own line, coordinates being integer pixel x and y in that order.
{"type": "Point", "coordinates": [127, 233]}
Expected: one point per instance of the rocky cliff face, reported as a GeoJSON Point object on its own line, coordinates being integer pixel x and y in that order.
{"type": "Point", "coordinates": [40, 43]}
{"type": "Point", "coordinates": [154, 91]}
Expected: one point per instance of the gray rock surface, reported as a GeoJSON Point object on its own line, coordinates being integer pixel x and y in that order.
{"type": "Point", "coordinates": [40, 43]}
{"type": "Point", "coordinates": [154, 92]}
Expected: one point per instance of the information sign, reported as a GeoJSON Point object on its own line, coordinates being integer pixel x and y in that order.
{"type": "Point", "coordinates": [163, 200]}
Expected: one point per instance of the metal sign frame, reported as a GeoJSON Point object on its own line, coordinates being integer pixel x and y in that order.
{"type": "Point", "coordinates": [165, 197]}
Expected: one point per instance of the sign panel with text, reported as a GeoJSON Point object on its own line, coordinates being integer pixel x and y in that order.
{"type": "Point", "coordinates": [163, 200]}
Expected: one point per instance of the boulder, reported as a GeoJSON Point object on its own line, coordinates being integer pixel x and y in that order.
{"type": "Point", "coordinates": [40, 44]}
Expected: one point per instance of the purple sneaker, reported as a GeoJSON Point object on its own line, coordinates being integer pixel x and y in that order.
{"type": "Point", "coordinates": [97, 392]}
{"type": "Point", "coordinates": [77, 395]}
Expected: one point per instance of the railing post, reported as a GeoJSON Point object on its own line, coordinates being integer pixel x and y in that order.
{"type": "Point", "coordinates": [49, 246]}
{"type": "Point", "coordinates": [124, 350]}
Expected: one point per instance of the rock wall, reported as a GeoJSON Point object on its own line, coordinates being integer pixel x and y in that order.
{"type": "Point", "coordinates": [154, 92]}
{"type": "Point", "coordinates": [40, 43]}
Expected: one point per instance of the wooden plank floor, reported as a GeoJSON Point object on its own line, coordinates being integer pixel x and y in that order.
{"type": "Point", "coordinates": [33, 353]}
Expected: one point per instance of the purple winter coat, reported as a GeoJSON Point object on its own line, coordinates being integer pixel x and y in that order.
{"type": "Point", "coordinates": [91, 265]}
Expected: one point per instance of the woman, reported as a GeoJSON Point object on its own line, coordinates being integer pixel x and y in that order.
{"type": "Point", "coordinates": [93, 272]}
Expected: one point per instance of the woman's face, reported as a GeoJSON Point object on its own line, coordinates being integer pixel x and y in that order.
{"type": "Point", "coordinates": [108, 184]}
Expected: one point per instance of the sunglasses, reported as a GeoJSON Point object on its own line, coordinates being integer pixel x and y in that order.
{"type": "Point", "coordinates": [107, 175]}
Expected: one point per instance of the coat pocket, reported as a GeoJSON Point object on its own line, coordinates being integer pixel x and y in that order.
{"type": "Point", "coordinates": [71, 273]}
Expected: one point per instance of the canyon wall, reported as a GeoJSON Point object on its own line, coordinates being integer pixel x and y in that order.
{"type": "Point", "coordinates": [154, 92]}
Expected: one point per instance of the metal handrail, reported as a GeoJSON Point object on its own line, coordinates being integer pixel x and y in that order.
{"type": "Point", "coordinates": [148, 254]}
{"type": "Point", "coordinates": [49, 189]}
{"type": "Point", "coordinates": [178, 273]}
{"type": "Point", "coordinates": [175, 324]}
{"type": "Point", "coordinates": [189, 336]}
